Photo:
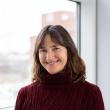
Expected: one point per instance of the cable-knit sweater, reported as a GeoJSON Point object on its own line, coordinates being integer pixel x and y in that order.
{"type": "Point", "coordinates": [59, 92]}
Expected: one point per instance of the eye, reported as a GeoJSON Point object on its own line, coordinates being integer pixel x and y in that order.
{"type": "Point", "coordinates": [42, 50]}
{"type": "Point", "coordinates": [56, 48]}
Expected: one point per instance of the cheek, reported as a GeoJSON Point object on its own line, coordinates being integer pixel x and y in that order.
{"type": "Point", "coordinates": [41, 58]}
{"type": "Point", "coordinates": [65, 56]}
{"type": "Point", "coordinates": [65, 59]}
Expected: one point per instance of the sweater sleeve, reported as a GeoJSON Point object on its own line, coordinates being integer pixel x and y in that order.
{"type": "Point", "coordinates": [95, 100]}
{"type": "Point", "coordinates": [20, 99]}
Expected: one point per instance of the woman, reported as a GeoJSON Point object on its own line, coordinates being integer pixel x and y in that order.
{"type": "Point", "coordinates": [58, 76]}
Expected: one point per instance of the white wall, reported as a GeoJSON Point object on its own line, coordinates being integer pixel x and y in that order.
{"type": "Point", "coordinates": [103, 49]}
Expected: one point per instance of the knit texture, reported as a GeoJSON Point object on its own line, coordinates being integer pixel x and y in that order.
{"type": "Point", "coordinates": [59, 92]}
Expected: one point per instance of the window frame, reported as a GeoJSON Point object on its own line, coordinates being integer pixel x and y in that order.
{"type": "Point", "coordinates": [87, 37]}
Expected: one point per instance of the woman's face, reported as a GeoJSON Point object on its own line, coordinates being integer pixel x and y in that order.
{"type": "Point", "coordinates": [52, 56]}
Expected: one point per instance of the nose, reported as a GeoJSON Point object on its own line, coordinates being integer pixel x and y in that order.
{"type": "Point", "coordinates": [49, 56]}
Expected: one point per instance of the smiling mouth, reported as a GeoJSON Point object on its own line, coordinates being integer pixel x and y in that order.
{"type": "Point", "coordinates": [53, 62]}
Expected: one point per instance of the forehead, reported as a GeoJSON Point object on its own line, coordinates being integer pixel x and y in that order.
{"type": "Point", "coordinates": [48, 41]}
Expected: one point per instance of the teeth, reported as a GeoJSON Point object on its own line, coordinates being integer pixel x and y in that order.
{"type": "Point", "coordinates": [51, 62]}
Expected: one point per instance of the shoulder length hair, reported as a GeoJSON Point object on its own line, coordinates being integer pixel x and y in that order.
{"type": "Point", "coordinates": [75, 64]}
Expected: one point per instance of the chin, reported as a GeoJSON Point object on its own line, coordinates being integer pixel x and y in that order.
{"type": "Point", "coordinates": [54, 72]}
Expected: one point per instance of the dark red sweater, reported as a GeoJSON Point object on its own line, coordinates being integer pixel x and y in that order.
{"type": "Point", "coordinates": [58, 92]}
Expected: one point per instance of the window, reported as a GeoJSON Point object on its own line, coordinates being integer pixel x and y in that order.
{"type": "Point", "coordinates": [20, 22]}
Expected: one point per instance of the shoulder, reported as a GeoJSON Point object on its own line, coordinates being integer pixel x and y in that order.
{"type": "Point", "coordinates": [92, 96]}
{"type": "Point", "coordinates": [28, 88]}
{"type": "Point", "coordinates": [90, 89]}
{"type": "Point", "coordinates": [87, 88]}
{"type": "Point", "coordinates": [23, 93]}
{"type": "Point", "coordinates": [90, 86]}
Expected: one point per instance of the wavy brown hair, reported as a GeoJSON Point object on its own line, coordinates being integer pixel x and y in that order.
{"type": "Point", "coordinates": [75, 64]}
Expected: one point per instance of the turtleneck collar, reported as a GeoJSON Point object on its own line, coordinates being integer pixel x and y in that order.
{"type": "Point", "coordinates": [61, 78]}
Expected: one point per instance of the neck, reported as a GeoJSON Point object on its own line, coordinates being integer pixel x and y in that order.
{"type": "Point", "coordinates": [61, 78]}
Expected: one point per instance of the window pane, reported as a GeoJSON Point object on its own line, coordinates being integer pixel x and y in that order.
{"type": "Point", "coordinates": [20, 22]}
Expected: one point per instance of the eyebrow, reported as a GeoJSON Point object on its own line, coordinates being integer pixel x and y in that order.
{"type": "Point", "coordinates": [55, 45]}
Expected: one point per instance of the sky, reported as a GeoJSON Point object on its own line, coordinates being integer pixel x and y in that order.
{"type": "Point", "coordinates": [21, 19]}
